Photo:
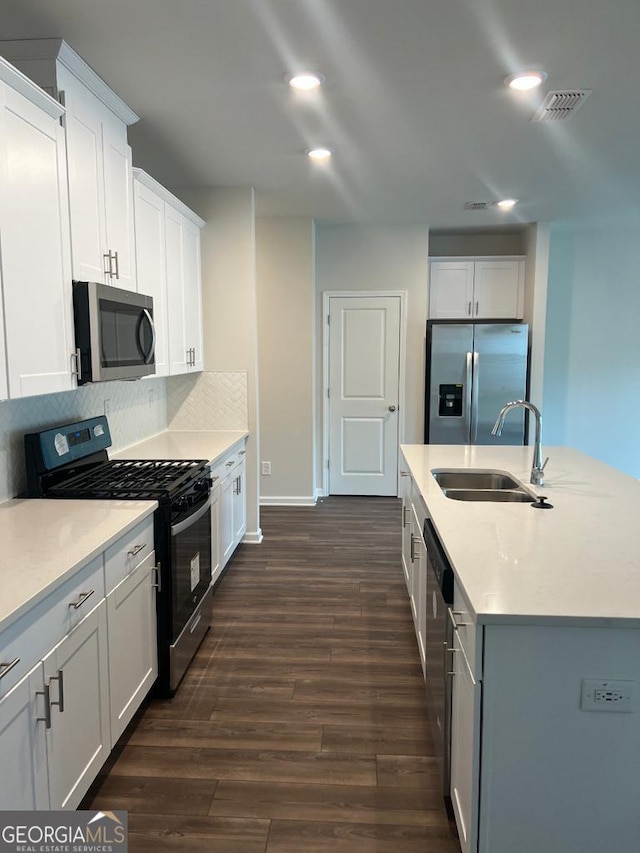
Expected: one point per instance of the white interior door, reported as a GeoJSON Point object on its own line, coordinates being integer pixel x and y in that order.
{"type": "Point", "coordinates": [364, 369]}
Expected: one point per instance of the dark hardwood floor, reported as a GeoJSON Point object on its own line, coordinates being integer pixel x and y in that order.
{"type": "Point", "coordinates": [301, 726]}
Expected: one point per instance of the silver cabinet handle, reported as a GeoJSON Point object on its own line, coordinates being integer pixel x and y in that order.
{"type": "Point", "coordinates": [60, 679]}
{"type": "Point", "coordinates": [107, 258]}
{"type": "Point", "coordinates": [47, 706]}
{"type": "Point", "coordinates": [406, 514]}
{"type": "Point", "coordinates": [232, 462]}
{"type": "Point", "coordinates": [7, 667]}
{"type": "Point", "coordinates": [115, 255]}
{"type": "Point", "coordinates": [77, 370]}
{"type": "Point", "coordinates": [469, 310]}
{"type": "Point", "coordinates": [477, 306]}
{"type": "Point", "coordinates": [404, 473]}
{"type": "Point", "coordinates": [158, 584]}
{"type": "Point", "coordinates": [136, 549]}
{"type": "Point", "coordinates": [414, 539]}
{"type": "Point", "coordinates": [242, 453]}
{"type": "Point", "coordinates": [452, 617]}
{"type": "Point", "coordinates": [81, 599]}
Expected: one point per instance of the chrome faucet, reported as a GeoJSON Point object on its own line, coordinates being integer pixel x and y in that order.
{"type": "Point", "coordinates": [537, 466]}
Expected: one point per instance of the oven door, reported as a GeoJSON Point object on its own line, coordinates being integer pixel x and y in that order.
{"type": "Point", "coordinates": [190, 564]}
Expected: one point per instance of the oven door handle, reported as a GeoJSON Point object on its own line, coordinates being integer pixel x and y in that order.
{"type": "Point", "coordinates": [176, 529]}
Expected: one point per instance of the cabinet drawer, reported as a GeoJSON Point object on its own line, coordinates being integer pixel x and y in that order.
{"type": "Point", "coordinates": [227, 465]}
{"type": "Point", "coordinates": [28, 639]}
{"type": "Point", "coordinates": [466, 628]}
{"type": "Point", "coordinates": [128, 552]}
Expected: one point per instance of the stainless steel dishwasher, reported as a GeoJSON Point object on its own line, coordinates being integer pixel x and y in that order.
{"type": "Point", "coordinates": [439, 641]}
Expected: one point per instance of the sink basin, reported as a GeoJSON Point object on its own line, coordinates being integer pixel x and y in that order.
{"type": "Point", "coordinates": [468, 485]}
{"type": "Point", "coordinates": [475, 480]}
{"type": "Point", "coordinates": [497, 495]}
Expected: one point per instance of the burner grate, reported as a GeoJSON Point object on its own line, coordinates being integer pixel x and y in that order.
{"type": "Point", "coordinates": [132, 478]}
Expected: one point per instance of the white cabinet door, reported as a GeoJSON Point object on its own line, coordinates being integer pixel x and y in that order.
{"type": "Point", "coordinates": [133, 654]}
{"type": "Point", "coordinates": [451, 290]}
{"type": "Point", "coordinates": [23, 749]}
{"type": "Point", "coordinates": [100, 189]}
{"type": "Point", "coordinates": [178, 355]}
{"type": "Point", "coordinates": [151, 269]}
{"type": "Point", "coordinates": [498, 289]}
{"type": "Point", "coordinates": [226, 518]}
{"type": "Point", "coordinates": [79, 739]}
{"type": "Point", "coordinates": [118, 199]}
{"type": "Point", "coordinates": [34, 258]}
{"type": "Point", "coordinates": [419, 580]}
{"type": "Point", "coordinates": [192, 285]}
{"type": "Point", "coordinates": [465, 747]}
{"type": "Point", "coordinates": [406, 526]}
{"type": "Point", "coordinates": [239, 503]}
{"type": "Point", "coordinates": [83, 123]}
{"type": "Point", "coordinates": [216, 539]}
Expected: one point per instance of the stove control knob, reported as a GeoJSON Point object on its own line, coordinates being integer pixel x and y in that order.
{"type": "Point", "coordinates": [202, 485]}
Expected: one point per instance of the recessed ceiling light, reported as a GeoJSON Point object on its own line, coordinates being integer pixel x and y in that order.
{"type": "Point", "coordinates": [306, 82]}
{"type": "Point", "coordinates": [320, 154]}
{"type": "Point", "coordinates": [507, 203]}
{"type": "Point", "coordinates": [525, 80]}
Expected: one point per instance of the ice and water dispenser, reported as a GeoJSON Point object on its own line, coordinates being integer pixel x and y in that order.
{"type": "Point", "coordinates": [450, 401]}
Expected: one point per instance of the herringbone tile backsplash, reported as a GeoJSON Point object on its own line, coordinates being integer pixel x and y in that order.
{"type": "Point", "coordinates": [209, 400]}
{"type": "Point", "coordinates": [136, 411]}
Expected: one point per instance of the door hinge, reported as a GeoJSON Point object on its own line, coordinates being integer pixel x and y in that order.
{"type": "Point", "coordinates": [328, 319]}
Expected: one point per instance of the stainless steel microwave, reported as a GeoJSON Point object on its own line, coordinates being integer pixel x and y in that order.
{"type": "Point", "coordinates": [115, 335]}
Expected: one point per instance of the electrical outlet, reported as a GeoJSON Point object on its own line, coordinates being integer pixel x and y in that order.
{"type": "Point", "coordinates": [107, 406]}
{"type": "Point", "coordinates": [265, 469]}
{"type": "Point", "coordinates": [608, 695]}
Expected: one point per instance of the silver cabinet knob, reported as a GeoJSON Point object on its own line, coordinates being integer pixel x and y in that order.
{"type": "Point", "coordinates": [392, 408]}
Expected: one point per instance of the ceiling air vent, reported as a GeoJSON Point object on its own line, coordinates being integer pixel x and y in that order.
{"type": "Point", "coordinates": [476, 205]}
{"type": "Point", "coordinates": [558, 106]}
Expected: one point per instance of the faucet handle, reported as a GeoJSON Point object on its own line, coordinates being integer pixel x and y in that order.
{"type": "Point", "coordinates": [544, 464]}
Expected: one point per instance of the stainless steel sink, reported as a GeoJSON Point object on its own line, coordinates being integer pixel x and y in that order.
{"type": "Point", "coordinates": [497, 495]}
{"type": "Point", "coordinates": [470, 485]}
{"type": "Point", "coordinates": [475, 480]}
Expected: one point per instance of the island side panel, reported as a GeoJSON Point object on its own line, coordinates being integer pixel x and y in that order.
{"type": "Point", "coordinates": [555, 777]}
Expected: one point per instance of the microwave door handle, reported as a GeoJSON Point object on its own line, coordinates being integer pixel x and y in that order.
{"type": "Point", "coordinates": [152, 348]}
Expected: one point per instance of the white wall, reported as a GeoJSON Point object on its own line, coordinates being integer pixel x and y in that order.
{"type": "Point", "coordinates": [229, 304]}
{"type": "Point", "coordinates": [592, 353]}
{"type": "Point", "coordinates": [350, 257]}
{"type": "Point", "coordinates": [285, 275]}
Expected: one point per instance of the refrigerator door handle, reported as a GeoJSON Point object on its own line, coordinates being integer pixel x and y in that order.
{"type": "Point", "coordinates": [468, 401]}
{"type": "Point", "coordinates": [474, 399]}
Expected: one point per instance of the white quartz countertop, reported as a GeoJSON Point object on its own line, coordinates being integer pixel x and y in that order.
{"type": "Point", "coordinates": [179, 444]}
{"type": "Point", "coordinates": [578, 561]}
{"type": "Point", "coordinates": [46, 541]}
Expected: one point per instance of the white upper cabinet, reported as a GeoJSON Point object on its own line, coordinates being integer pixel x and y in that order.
{"type": "Point", "coordinates": [36, 330]}
{"type": "Point", "coordinates": [476, 289]}
{"type": "Point", "coordinates": [99, 159]}
{"type": "Point", "coordinates": [168, 268]}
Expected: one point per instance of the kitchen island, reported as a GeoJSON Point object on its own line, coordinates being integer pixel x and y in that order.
{"type": "Point", "coordinates": [547, 604]}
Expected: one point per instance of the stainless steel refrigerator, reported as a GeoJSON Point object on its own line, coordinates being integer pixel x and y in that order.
{"type": "Point", "coordinates": [473, 369]}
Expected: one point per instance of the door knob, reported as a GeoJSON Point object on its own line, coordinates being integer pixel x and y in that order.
{"type": "Point", "coordinates": [392, 408]}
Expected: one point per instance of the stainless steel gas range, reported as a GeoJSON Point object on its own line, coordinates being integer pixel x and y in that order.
{"type": "Point", "coordinates": [71, 461]}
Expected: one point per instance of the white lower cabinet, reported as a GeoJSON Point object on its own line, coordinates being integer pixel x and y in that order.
{"type": "Point", "coordinates": [24, 782]}
{"type": "Point", "coordinates": [76, 674]}
{"type": "Point", "coordinates": [133, 658]}
{"type": "Point", "coordinates": [419, 580]}
{"type": "Point", "coordinates": [73, 671]}
{"type": "Point", "coordinates": [230, 473]}
{"type": "Point", "coordinates": [406, 527]}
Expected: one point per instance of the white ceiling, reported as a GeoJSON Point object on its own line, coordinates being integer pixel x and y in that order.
{"type": "Point", "coordinates": [414, 104]}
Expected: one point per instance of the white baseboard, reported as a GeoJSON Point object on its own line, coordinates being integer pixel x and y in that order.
{"type": "Point", "coordinates": [253, 537]}
{"type": "Point", "coordinates": [284, 500]}
{"type": "Point", "coordinates": [320, 493]}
